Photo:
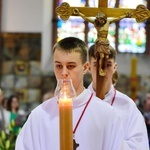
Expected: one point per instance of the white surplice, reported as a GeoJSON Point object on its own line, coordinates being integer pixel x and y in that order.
{"type": "Point", "coordinates": [135, 132]}
{"type": "Point", "coordinates": [99, 129]}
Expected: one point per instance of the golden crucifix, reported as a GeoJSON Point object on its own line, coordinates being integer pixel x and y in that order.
{"type": "Point", "coordinates": [101, 22]}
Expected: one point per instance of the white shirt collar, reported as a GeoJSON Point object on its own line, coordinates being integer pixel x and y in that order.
{"type": "Point", "coordinates": [108, 96]}
{"type": "Point", "coordinates": [82, 98]}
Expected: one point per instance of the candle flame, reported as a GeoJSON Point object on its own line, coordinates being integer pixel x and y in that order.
{"type": "Point", "coordinates": [65, 95]}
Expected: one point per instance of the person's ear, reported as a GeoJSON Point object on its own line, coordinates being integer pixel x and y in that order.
{"type": "Point", "coordinates": [89, 68]}
{"type": "Point", "coordinates": [115, 67]}
{"type": "Point", "coordinates": [85, 67]}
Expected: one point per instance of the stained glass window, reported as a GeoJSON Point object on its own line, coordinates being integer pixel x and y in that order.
{"type": "Point", "coordinates": [132, 37]}
{"type": "Point", "coordinates": [74, 26]}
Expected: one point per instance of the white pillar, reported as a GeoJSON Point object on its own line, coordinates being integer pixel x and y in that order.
{"type": "Point", "coordinates": [22, 16]}
{"type": "Point", "coordinates": [46, 59]}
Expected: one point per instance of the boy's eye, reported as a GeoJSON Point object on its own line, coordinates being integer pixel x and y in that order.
{"type": "Point", "coordinates": [109, 65]}
{"type": "Point", "coordinates": [58, 66]}
{"type": "Point", "coordinates": [70, 66]}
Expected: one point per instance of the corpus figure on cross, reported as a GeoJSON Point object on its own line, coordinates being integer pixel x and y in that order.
{"type": "Point", "coordinates": [101, 23]}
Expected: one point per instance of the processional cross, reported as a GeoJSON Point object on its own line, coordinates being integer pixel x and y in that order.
{"type": "Point", "coordinates": [101, 23]}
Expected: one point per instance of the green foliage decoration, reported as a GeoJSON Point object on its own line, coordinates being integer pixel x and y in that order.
{"type": "Point", "coordinates": [8, 138]}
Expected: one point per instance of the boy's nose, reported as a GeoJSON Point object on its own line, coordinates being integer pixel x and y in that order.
{"type": "Point", "coordinates": [64, 72]}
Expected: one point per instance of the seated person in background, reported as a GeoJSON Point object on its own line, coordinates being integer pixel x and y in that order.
{"type": "Point", "coordinates": [4, 116]}
{"type": "Point", "coordinates": [17, 115]}
{"type": "Point", "coordinates": [135, 133]}
{"type": "Point", "coordinates": [4, 102]}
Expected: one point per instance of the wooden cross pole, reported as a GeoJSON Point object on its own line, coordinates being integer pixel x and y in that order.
{"type": "Point", "coordinates": [101, 22]}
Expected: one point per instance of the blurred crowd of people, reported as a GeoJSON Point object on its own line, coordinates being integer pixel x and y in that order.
{"type": "Point", "coordinates": [10, 112]}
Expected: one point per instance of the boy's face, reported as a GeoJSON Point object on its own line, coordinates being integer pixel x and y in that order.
{"type": "Point", "coordinates": [110, 68]}
{"type": "Point", "coordinates": [69, 66]}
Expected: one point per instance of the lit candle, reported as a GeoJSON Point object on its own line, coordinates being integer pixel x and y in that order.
{"type": "Point", "coordinates": [65, 118]}
{"type": "Point", "coordinates": [65, 92]}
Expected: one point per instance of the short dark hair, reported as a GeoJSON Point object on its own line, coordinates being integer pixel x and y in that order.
{"type": "Point", "coordinates": [112, 54]}
{"type": "Point", "coordinates": [71, 44]}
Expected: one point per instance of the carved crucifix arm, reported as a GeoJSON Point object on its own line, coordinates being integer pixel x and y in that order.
{"type": "Point", "coordinates": [78, 13]}
{"type": "Point", "coordinates": [127, 15]}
